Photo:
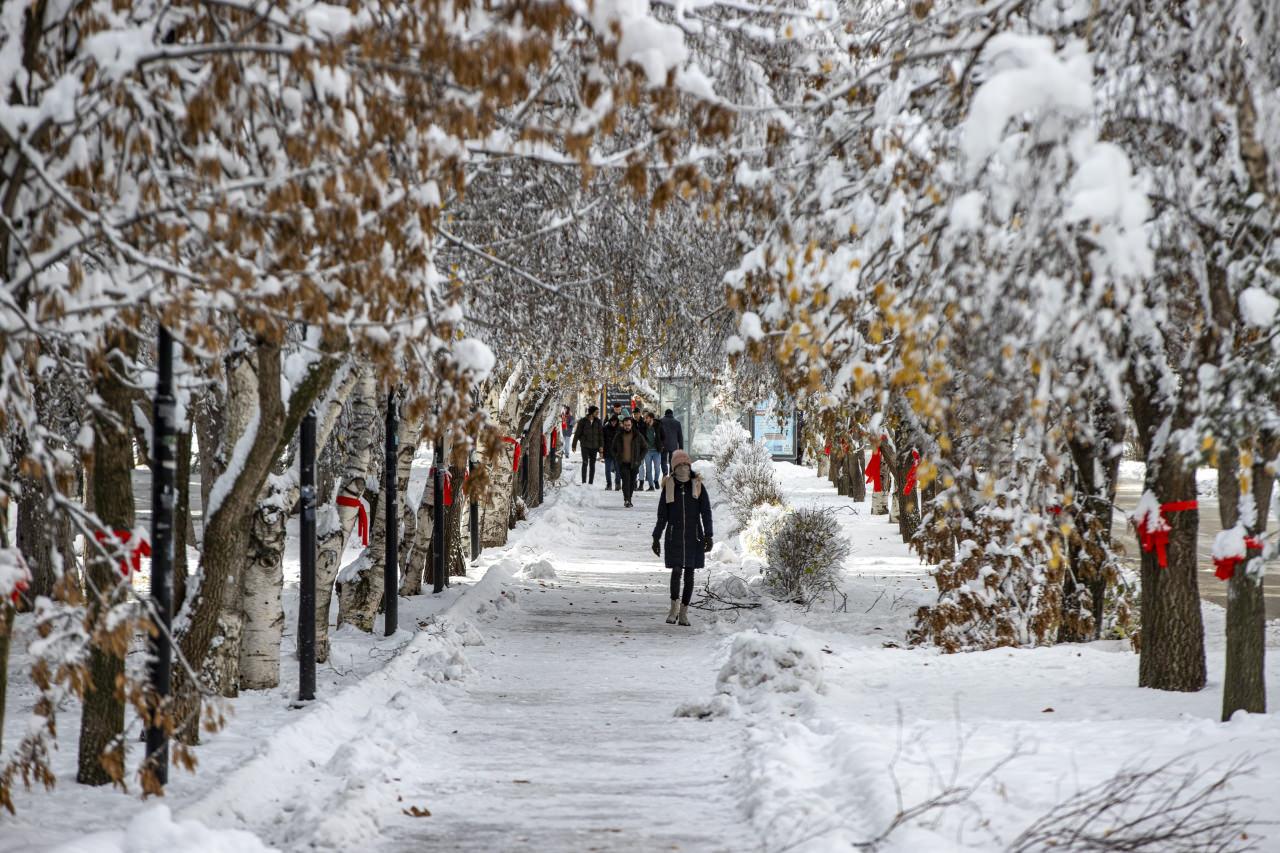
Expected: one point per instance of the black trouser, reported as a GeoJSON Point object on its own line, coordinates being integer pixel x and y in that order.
{"type": "Point", "coordinates": [688, 585]}
{"type": "Point", "coordinates": [627, 479]}
{"type": "Point", "coordinates": [589, 464]}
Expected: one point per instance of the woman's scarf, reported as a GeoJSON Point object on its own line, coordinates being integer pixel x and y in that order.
{"type": "Point", "coordinates": [669, 484]}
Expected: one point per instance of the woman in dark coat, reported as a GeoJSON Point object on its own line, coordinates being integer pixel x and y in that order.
{"type": "Point", "coordinates": [684, 513]}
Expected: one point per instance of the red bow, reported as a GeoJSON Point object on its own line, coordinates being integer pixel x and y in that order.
{"type": "Point", "coordinates": [515, 465]}
{"type": "Point", "coordinates": [1225, 567]}
{"type": "Point", "coordinates": [362, 519]}
{"type": "Point", "coordinates": [133, 559]}
{"type": "Point", "coordinates": [827, 450]}
{"type": "Point", "coordinates": [1155, 537]}
{"type": "Point", "coordinates": [873, 471]}
{"type": "Point", "coordinates": [911, 474]}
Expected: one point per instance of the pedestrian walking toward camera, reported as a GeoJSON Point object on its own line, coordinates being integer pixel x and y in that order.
{"type": "Point", "coordinates": [671, 437]}
{"type": "Point", "coordinates": [611, 427]}
{"type": "Point", "coordinates": [652, 467]}
{"type": "Point", "coordinates": [684, 515]}
{"type": "Point", "coordinates": [629, 448]}
{"type": "Point", "coordinates": [589, 433]}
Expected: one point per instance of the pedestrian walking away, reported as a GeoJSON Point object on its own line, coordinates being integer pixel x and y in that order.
{"type": "Point", "coordinates": [589, 433]}
{"type": "Point", "coordinates": [684, 515]}
{"type": "Point", "coordinates": [652, 466]}
{"type": "Point", "coordinates": [629, 449]}
{"type": "Point", "coordinates": [611, 427]}
{"type": "Point", "coordinates": [566, 428]}
{"type": "Point", "coordinates": [671, 437]}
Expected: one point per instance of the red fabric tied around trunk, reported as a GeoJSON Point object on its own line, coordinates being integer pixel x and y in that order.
{"type": "Point", "coordinates": [515, 465]}
{"type": "Point", "coordinates": [447, 488]}
{"type": "Point", "coordinates": [1156, 537]}
{"type": "Point", "coordinates": [873, 472]}
{"type": "Point", "coordinates": [132, 562]}
{"type": "Point", "coordinates": [362, 518]}
{"type": "Point", "coordinates": [911, 474]}
{"type": "Point", "coordinates": [1224, 568]}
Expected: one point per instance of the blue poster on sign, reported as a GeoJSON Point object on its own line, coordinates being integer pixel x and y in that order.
{"type": "Point", "coordinates": [778, 435]}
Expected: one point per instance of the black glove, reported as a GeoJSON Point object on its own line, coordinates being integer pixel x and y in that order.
{"type": "Point", "coordinates": [657, 549]}
{"type": "Point", "coordinates": [706, 545]}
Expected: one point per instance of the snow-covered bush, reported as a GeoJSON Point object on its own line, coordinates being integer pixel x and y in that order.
{"type": "Point", "coordinates": [805, 557]}
{"type": "Point", "coordinates": [728, 438]}
{"type": "Point", "coordinates": [763, 525]}
{"type": "Point", "coordinates": [750, 481]}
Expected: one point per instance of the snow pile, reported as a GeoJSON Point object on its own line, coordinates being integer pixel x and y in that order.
{"type": "Point", "coordinates": [155, 831]}
{"type": "Point", "coordinates": [542, 569]}
{"type": "Point", "coordinates": [1258, 308]}
{"type": "Point", "coordinates": [761, 669]}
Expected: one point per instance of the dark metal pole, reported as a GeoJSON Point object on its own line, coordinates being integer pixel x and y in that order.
{"type": "Point", "coordinates": [307, 553]}
{"type": "Point", "coordinates": [542, 472]}
{"type": "Point", "coordinates": [163, 469]}
{"type": "Point", "coordinates": [437, 520]}
{"type": "Point", "coordinates": [474, 510]}
{"type": "Point", "coordinates": [391, 570]}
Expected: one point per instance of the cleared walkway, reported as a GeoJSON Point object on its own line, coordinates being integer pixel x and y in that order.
{"type": "Point", "coordinates": [564, 738]}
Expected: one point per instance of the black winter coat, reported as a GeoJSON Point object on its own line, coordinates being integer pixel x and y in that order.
{"type": "Point", "coordinates": [687, 523]}
{"type": "Point", "coordinates": [638, 446]}
{"type": "Point", "coordinates": [589, 433]}
{"type": "Point", "coordinates": [672, 435]}
{"type": "Point", "coordinates": [609, 431]}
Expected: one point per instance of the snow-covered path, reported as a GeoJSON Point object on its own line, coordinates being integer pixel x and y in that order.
{"type": "Point", "coordinates": [564, 737]}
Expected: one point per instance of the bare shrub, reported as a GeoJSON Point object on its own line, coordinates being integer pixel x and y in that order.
{"type": "Point", "coordinates": [805, 557]}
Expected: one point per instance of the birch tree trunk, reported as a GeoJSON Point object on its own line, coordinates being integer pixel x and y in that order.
{"type": "Point", "coordinates": [495, 508]}
{"type": "Point", "coordinates": [360, 585]}
{"type": "Point", "coordinates": [228, 514]}
{"type": "Point", "coordinates": [358, 440]}
{"type": "Point", "coordinates": [264, 573]}
{"type": "Point", "coordinates": [101, 750]}
{"type": "Point", "coordinates": [222, 668]}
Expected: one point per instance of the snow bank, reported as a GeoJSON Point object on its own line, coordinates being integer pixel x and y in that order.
{"type": "Point", "coordinates": [762, 667]}
{"type": "Point", "coordinates": [539, 570]}
{"type": "Point", "coordinates": [155, 831]}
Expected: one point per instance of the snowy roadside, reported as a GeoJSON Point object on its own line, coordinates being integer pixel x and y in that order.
{"type": "Point", "coordinates": [848, 729]}
{"type": "Point", "coordinates": [278, 776]}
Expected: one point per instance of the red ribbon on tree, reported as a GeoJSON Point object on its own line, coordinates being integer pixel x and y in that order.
{"type": "Point", "coordinates": [362, 518]}
{"type": "Point", "coordinates": [448, 486]}
{"type": "Point", "coordinates": [19, 587]}
{"type": "Point", "coordinates": [1156, 537]}
{"type": "Point", "coordinates": [544, 446]}
{"type": "Point", "coordinates": [555, 436]}
{"type": "Point", "coordinates": [133, 561]}
{"type": "Point", "coordinates": [827, 450]}
{"type": "Point", "coordinates": [911, 474]}
{"type": "Point", "coordinates": [873, 472]}
{"type": "Point", "coordinates": [515, 465]}
{"type": "Point", "coordinates": [1224, 568]}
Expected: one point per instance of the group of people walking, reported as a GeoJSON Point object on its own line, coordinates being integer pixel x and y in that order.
{"type": "Point", "coordinates": [637, 451]}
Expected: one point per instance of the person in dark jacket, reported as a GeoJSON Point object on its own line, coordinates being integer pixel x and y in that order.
{"type": "Point", "coordinates": [589, 432]}
{"type": "Point", "coordinates": [653, 457]}
{"type": "Point", "coordinates": [671, 437]}
{"type": "Point", "coordinates": [684, 514]}
{"type": "Point", "coordinates": [629, 448]}
{"type": "Point", "coordinates": [611, 427]}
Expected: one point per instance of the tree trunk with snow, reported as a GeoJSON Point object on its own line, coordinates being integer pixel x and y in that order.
{"type": "Point", "coordinates": [358, 442]}
{"type": "Point", "coordinates": [360, 585]}
{"type": "Point", "coordinates": [495, 508]}
{"type": "Point", "coordinates": [264, 573]}
{"type": "Point", "coordinates": [229, 512]}
{"type": "Point", "coordinates": [1244, 686]}
{"type": "Point", "coordinates": [222, 667]}
{"type": "Point", "coordinates": [101, 752]}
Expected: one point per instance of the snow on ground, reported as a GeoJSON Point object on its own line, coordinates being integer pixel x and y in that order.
{"type": "Point", "coordinates": [1043, 723]}
{"type": "Point", "coordinates": [547, 706]}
